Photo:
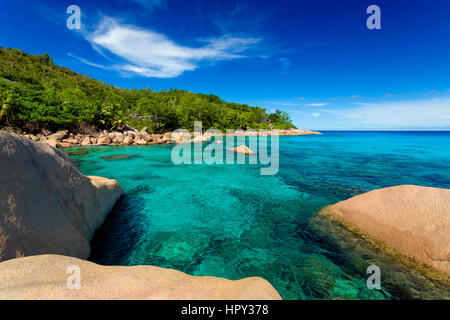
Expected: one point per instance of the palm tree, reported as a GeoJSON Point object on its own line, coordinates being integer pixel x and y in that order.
{"type": "Point", "coordinates": [5, 107]}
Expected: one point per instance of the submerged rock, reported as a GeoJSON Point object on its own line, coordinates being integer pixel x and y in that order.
{"type": "Point", "coordinates": [47, 205]}
{"type": "Point", "coordinates": [319, 275]}
{"type": "Point", "coordinates": [412, 220]}
{"type": "Point", "coordinates": [78, 152]}
{"type": "Point", "coordinates": [120, 156]}
{"type": "Point", "coordinates": [45, 277]}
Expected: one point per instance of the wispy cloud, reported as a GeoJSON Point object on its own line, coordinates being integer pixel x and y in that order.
{"type": "Point", "coordinates": [280, 103]}
{"type": "Point", "coordinates": [419, 113]}
{"type": "Point", "coordinates": [89, 63]}
{"type": "Point", "coordinates": [151, 54]}
{"type": "Point", "coordinates": [363, 103]}
{"type": "Point", "coordinates": [285, 64]}
{"type": "Point", "coordinates": [315, 104]}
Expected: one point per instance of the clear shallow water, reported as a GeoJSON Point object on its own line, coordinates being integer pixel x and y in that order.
{"type": "Point", "coordinates": [229, 221]}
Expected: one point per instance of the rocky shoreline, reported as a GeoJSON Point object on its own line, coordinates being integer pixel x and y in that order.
{"type": "Point", "coordinates": [49, 214]}
{"type": "Point", "coordinates": [66, 139]}
{"type": "Point", "coordinates": [52, 212]}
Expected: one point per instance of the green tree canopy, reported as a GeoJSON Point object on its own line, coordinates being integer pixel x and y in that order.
{"type": "Point", "coordinates": [36, 94]}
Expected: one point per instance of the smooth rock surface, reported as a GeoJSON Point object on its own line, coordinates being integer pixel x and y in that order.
{"type": "Point", "coordinates": [46, 276]}
{"type": "Point", "coordinates": [52, 142]}
{"type": "Point", "coordinates": [242, 149]}
{"type": "Point", "coordinates": [46, 204]}
{"type": "Point", "coordinates": [86, 141]}
{"type": "Point", "coordinates": [103, 140]}
{"type": "Point", "coordinates": [413, 220]}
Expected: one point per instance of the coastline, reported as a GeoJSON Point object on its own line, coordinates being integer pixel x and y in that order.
{"type": "Point", "coordinates": [66, 139]}
{"type": "Point", "coordinates": [376, 205]}
{"type": "Point", "coordinates": [52, 219]}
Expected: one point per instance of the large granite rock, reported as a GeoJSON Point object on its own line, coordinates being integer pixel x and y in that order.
{"type": "Point", "coordinates": [413, 220]}
{"type": "Point", "coordinates": [46, 204]}
{"type": "Point", "coordinates": [46, 276]}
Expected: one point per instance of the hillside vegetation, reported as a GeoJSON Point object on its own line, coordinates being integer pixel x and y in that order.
{"type": "Point", "coordinates": [35, 94]}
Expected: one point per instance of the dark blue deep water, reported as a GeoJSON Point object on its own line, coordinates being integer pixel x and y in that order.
{"type": "Point", "coordinates": [229, 221]}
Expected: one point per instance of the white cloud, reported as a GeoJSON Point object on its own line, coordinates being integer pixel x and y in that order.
{"type": "Point", "coordinates": [89, 63]}
{"type": "Point", "coordinates": [315, 114]}
{"type": "Point", "coordinates": [363, 103]}
{"type": "Point", "coordinates": [419, 113]}
{"type": "Point", "coordinates": [152, 54]}
{"type": "Point", "coordinates": [315, 104]}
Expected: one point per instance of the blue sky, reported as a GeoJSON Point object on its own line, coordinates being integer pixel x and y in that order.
{"type": "Point", "coordinates": [315, 59]}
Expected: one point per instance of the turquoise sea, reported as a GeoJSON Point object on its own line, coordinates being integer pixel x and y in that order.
{"type": "Point", "coordinates": [229, 221]}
